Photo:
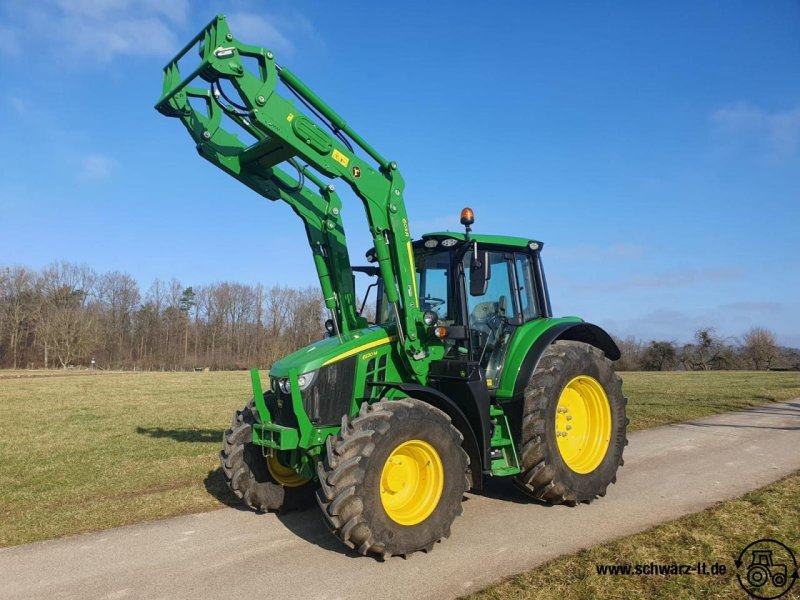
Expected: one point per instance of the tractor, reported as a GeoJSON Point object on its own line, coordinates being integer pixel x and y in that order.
{"type": "Point", "coordinates": [762, 569]}
{"type": "Point", "coordinates": [462, 374]}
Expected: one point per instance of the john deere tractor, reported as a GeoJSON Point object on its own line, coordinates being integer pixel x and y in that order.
{"type": "Point", "coordinates": [464, 374]}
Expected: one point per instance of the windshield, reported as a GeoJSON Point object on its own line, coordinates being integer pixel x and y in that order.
{"type": "Point", "coordinates": [433, 284]}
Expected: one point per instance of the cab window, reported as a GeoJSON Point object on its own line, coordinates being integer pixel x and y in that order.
{"type": "Point", "coordinates": [433, 284]}
{"type": "Point", "coordinates": [527, 289]}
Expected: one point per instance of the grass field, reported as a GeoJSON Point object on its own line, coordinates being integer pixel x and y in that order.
{"type": "Point", "coordinates": [715, 535]}
{"type": "Point", "coordinates": [87, 451]}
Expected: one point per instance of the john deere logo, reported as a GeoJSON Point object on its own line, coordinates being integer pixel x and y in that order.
{"type": "Point", "coordinates": [356, 172]}
{"type": "Point", "coordinates": [766, 569]}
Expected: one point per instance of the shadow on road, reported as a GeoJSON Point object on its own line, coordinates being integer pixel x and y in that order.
{"type": "Point", "coordinates": [182, 435]}
{"type": "Point", "coordinates": [501, 488]}
{"type": "Point", "coordinates": [306, 524]}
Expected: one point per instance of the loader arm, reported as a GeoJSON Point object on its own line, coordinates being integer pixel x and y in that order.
{"type": "Point", "coordinates": [285, 135]}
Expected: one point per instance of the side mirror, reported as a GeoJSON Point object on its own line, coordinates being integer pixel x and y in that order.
{"type": "Point", "coordinates": [479, 273]}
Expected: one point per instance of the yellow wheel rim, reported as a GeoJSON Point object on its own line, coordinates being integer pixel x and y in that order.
{"type": "Point", "coordinates": [286, 476]}
{"type": "Point", "coordinates": [412, 482]}
{"type": "Point", "coordinates": [583, 424]}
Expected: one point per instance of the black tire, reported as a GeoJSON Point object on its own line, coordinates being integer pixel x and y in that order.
{"type": "Point", "coordinates": [757, 576]}
{"type": "Point", "coordinates": [350, 477]}
{"type": "Point", "coordinates": [545, 475]}
{"type": "Point", "coordinates": [244, 469]}
{"type": "Point", "coordinates": [779, 580]}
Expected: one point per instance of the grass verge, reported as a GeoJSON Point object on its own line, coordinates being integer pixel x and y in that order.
{"type": "Point", "coordinates": [716, 535]}
{"type": "Point", "coordinates": [95, 450]}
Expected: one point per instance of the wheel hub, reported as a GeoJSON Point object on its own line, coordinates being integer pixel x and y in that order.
{"type": "Point", "coordinates": [412, 481]}
{"type": "Point", "coordinates": [286, 476]}
{"type": "Point", "coordinates": [583, 424]}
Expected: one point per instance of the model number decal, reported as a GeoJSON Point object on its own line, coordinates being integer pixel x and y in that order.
{"type": "Point", "coordinates": [340, 158]}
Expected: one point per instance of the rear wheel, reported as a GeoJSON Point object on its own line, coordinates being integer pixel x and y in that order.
{"type": "Point", "coordinates": [262, 483]}
{"type": "Point", "coordinates": [573, 427]}
{"type": "Point", "coordinates": [393, 479]}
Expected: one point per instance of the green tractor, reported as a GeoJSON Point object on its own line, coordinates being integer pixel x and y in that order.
{"type": "Point", "coordinates": [464, 374]}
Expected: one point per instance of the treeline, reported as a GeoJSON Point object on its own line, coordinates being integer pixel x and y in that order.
{"type": "Point", "coordinates": [757, 350]}
{"type": "Point", "coordinates": [68, 315]}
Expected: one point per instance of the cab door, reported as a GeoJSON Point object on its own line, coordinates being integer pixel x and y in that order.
{"type": "Point", "coordinates": [508, 302]}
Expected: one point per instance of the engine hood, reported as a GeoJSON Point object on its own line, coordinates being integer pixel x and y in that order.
{"type": "Point", "coordinates": [333, 349]}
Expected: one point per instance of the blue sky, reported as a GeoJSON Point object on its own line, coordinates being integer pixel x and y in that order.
{"type": "Point", "coordinates": [653, 147]}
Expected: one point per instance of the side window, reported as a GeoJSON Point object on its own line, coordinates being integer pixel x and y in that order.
{"type": "Point", "coordinates": [527, 290]}
{"type": "Point", "coordinates": [498, 301]}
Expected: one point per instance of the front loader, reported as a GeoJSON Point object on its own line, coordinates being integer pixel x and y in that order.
{"type": "Point", "coordinates": [464, 374]}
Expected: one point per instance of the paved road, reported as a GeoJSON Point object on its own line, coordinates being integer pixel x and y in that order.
{"type": "Point", "coordinates": [669, 472]}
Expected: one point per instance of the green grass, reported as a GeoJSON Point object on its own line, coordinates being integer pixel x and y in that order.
{"type": "Point", "coordinates": [86, 451]}
{"type": "Point", "coordinates": [81, 453]}
{"type": "Point", "coordinates": [671, 397]}
{"type": "Point", "coordinates": [718, 535]}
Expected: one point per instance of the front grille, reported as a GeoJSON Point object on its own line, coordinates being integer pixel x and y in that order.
{"type": "Point", "coordinates": [280, 407]}
{"type": "Point", "coordinates": [331, 393]}
{"type": "Point", "coordinates": [325, 401]}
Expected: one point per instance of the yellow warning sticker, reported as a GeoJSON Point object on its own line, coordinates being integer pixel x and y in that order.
{"type": "Point", "coordinates": [340, 158]}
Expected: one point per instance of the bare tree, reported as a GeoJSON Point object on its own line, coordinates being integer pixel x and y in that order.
{"type": "Point", "coordinates": [69, 322]}
{"type": "Point", "coordinates": [659, 356]}
{"type": "Point", "coordinates": [18, 295]}
{"type": "Point", "coordinates": [707, 353]}
{"type": "Point", "coordinates": [760, 348]}
{"type": "Point", "coordinates": [631, 350]}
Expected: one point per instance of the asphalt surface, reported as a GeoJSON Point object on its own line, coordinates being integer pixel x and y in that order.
{"type": "Point", "coordinates": [669, 471]}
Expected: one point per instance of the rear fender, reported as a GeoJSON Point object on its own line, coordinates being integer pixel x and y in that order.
{"type": "Point", "coordinates": [587, 333]}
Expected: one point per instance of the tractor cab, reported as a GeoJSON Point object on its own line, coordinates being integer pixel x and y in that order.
{"type": "Point", "coordinates": [475, 291]}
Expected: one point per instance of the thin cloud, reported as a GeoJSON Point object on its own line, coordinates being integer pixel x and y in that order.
{"type": "Point", "coordinates": [100, 30]}
{"type": "Point", "coordinates": [96, 167]}
{"type": "Point", "coordinates": [728, 320]}
{"type": "Point", "coordinates": [667, 279]}
{"type": "Point", "coordinates": [18, 105]}
{"type": "Point", "coordinates": [743, 125]}
{"type": "Point", "coordinates": [9, 42]}
{"type": "Point", "coordinates": [589, 251]}
{"type": "Point", "coordinates": [262, 30]}
{"type": "Point", "coordinates": [754, 307]}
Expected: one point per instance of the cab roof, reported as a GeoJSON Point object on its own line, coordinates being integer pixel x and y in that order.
{"type": "Point", "coordinates": [481, 238]}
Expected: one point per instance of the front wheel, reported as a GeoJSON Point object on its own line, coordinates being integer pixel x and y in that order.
{"type": "Point", "coordinates": [574, 425]}
{"type": "Point", "coordinates": [393, 479]}
{"type": "Point", "coordinates": [262, 483]}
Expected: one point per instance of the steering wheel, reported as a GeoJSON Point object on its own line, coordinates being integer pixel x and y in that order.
{"type": "Point", "coordinates": [433, 302]}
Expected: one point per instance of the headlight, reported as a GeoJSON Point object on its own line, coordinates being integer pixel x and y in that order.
{"type": "Point", "coordinates": [284, 385]}
{"type": "Point", "coordinates": [305, 380]}
{"type": "Point", "coordinates": [430, 317]}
